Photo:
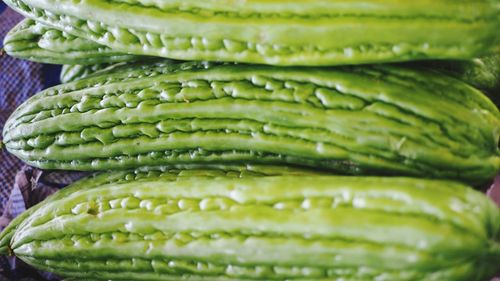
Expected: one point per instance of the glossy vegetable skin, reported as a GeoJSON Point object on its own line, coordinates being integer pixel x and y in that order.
{"type": "Point", "coordinates": [280, 32]}
{"type": "Point", "coordinates": [357, 120]}
{"type": "Point", "coordinates": [73, 72]}
{"type": "Point", "coordinates": [214, 225]}
{"type": "Point", "coordinates": [482, 73]}
{"type": "Point", "coordinates": [34, 41]}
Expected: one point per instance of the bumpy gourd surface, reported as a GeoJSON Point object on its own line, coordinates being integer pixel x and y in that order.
{"type": "Point", "coordinates": [70, 73]}
{"type": "Point", "coordinates": [373, 119]}
{"type": "Point", "coordinates": [166, 173]}
{"type": "Point", "coordinates": [34, 41]}
{"type": "Point", "coordinates": [483, 73]}
{"type": "Point", "coordinates": [228, 226]}
{"type": "Point", "coordinates": [279, 32]}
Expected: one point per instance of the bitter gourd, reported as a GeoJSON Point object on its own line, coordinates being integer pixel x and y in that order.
{"type": "Point", "coordinates": [34, 41]}
{"type": "Point", "coordinates": [280, 32]}
{"type": "Point", "coordinates": [211, 226]}
{"type": "Point", "coordinates": [70, 73]}
{"type": "Point", "coordinates": [172, 172]}
{"type": "Point", "coordinates": [73, 72]}
{"type": "Point", "coordinates": [359, 120]}
{"type": "Point", "coordinates": [482, 73]}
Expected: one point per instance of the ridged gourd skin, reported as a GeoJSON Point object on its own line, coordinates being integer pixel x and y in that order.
{"type": "Point", "coordinates": [73, 72]}
{"type": "Point", "coordinates": [171, 172]}
{"type": "Point", "coordinates": [34, 41]}
{"type": "Point", "coordinates": [277, 32]}
{"type": "Point", "coordinates": [239, 226]}
{"type": "Point", "coordinates": [357, 120]}
{"type": "Point", "coordinates": [482, 73]}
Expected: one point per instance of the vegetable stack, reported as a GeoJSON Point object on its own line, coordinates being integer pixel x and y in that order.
{"type": "Point", "coordinates": [226, 166]}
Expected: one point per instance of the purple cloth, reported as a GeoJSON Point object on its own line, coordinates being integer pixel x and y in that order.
{"type": "Point", "coordinates": [18, 81]}
{"type": "Point", "coordinates": [21, 186]}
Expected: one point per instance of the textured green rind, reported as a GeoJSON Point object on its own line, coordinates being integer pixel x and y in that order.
{"type": "Point", "coordinates": [208, 226]}
{"type": "Point", "coordinates": [90, 182]}
{"type": "Point", "coordinates": [165, 173]}
{"type": "Point", "coordinates": [34, 41]}
{"type": "Point", "coordinates": [483, 73]}
{"type": "Point", "coordinates": [358, 120]}
{"type": "Point", "coordinates": [280, 32]}
{"type": "Point", "coordinates": [70, 73]}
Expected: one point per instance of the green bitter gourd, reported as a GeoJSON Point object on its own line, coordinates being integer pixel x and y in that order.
{"type": "Point", "coordinates": [34, 41]}
{"type": "Point", "coordinates": [280, 32]}
{"type": "Point", "coordinates": [358, 120]}
{"type": "Point", "coordinates": [212, 226]}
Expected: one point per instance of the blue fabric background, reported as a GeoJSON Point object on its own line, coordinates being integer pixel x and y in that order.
{"type": "Point", "coordinates": [18, 81]}
{"type": "Point", "coordinates": [50, 72]}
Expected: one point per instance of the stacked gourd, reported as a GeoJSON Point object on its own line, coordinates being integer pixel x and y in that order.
{"type": "Point", "coordinates": [272, 142]}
